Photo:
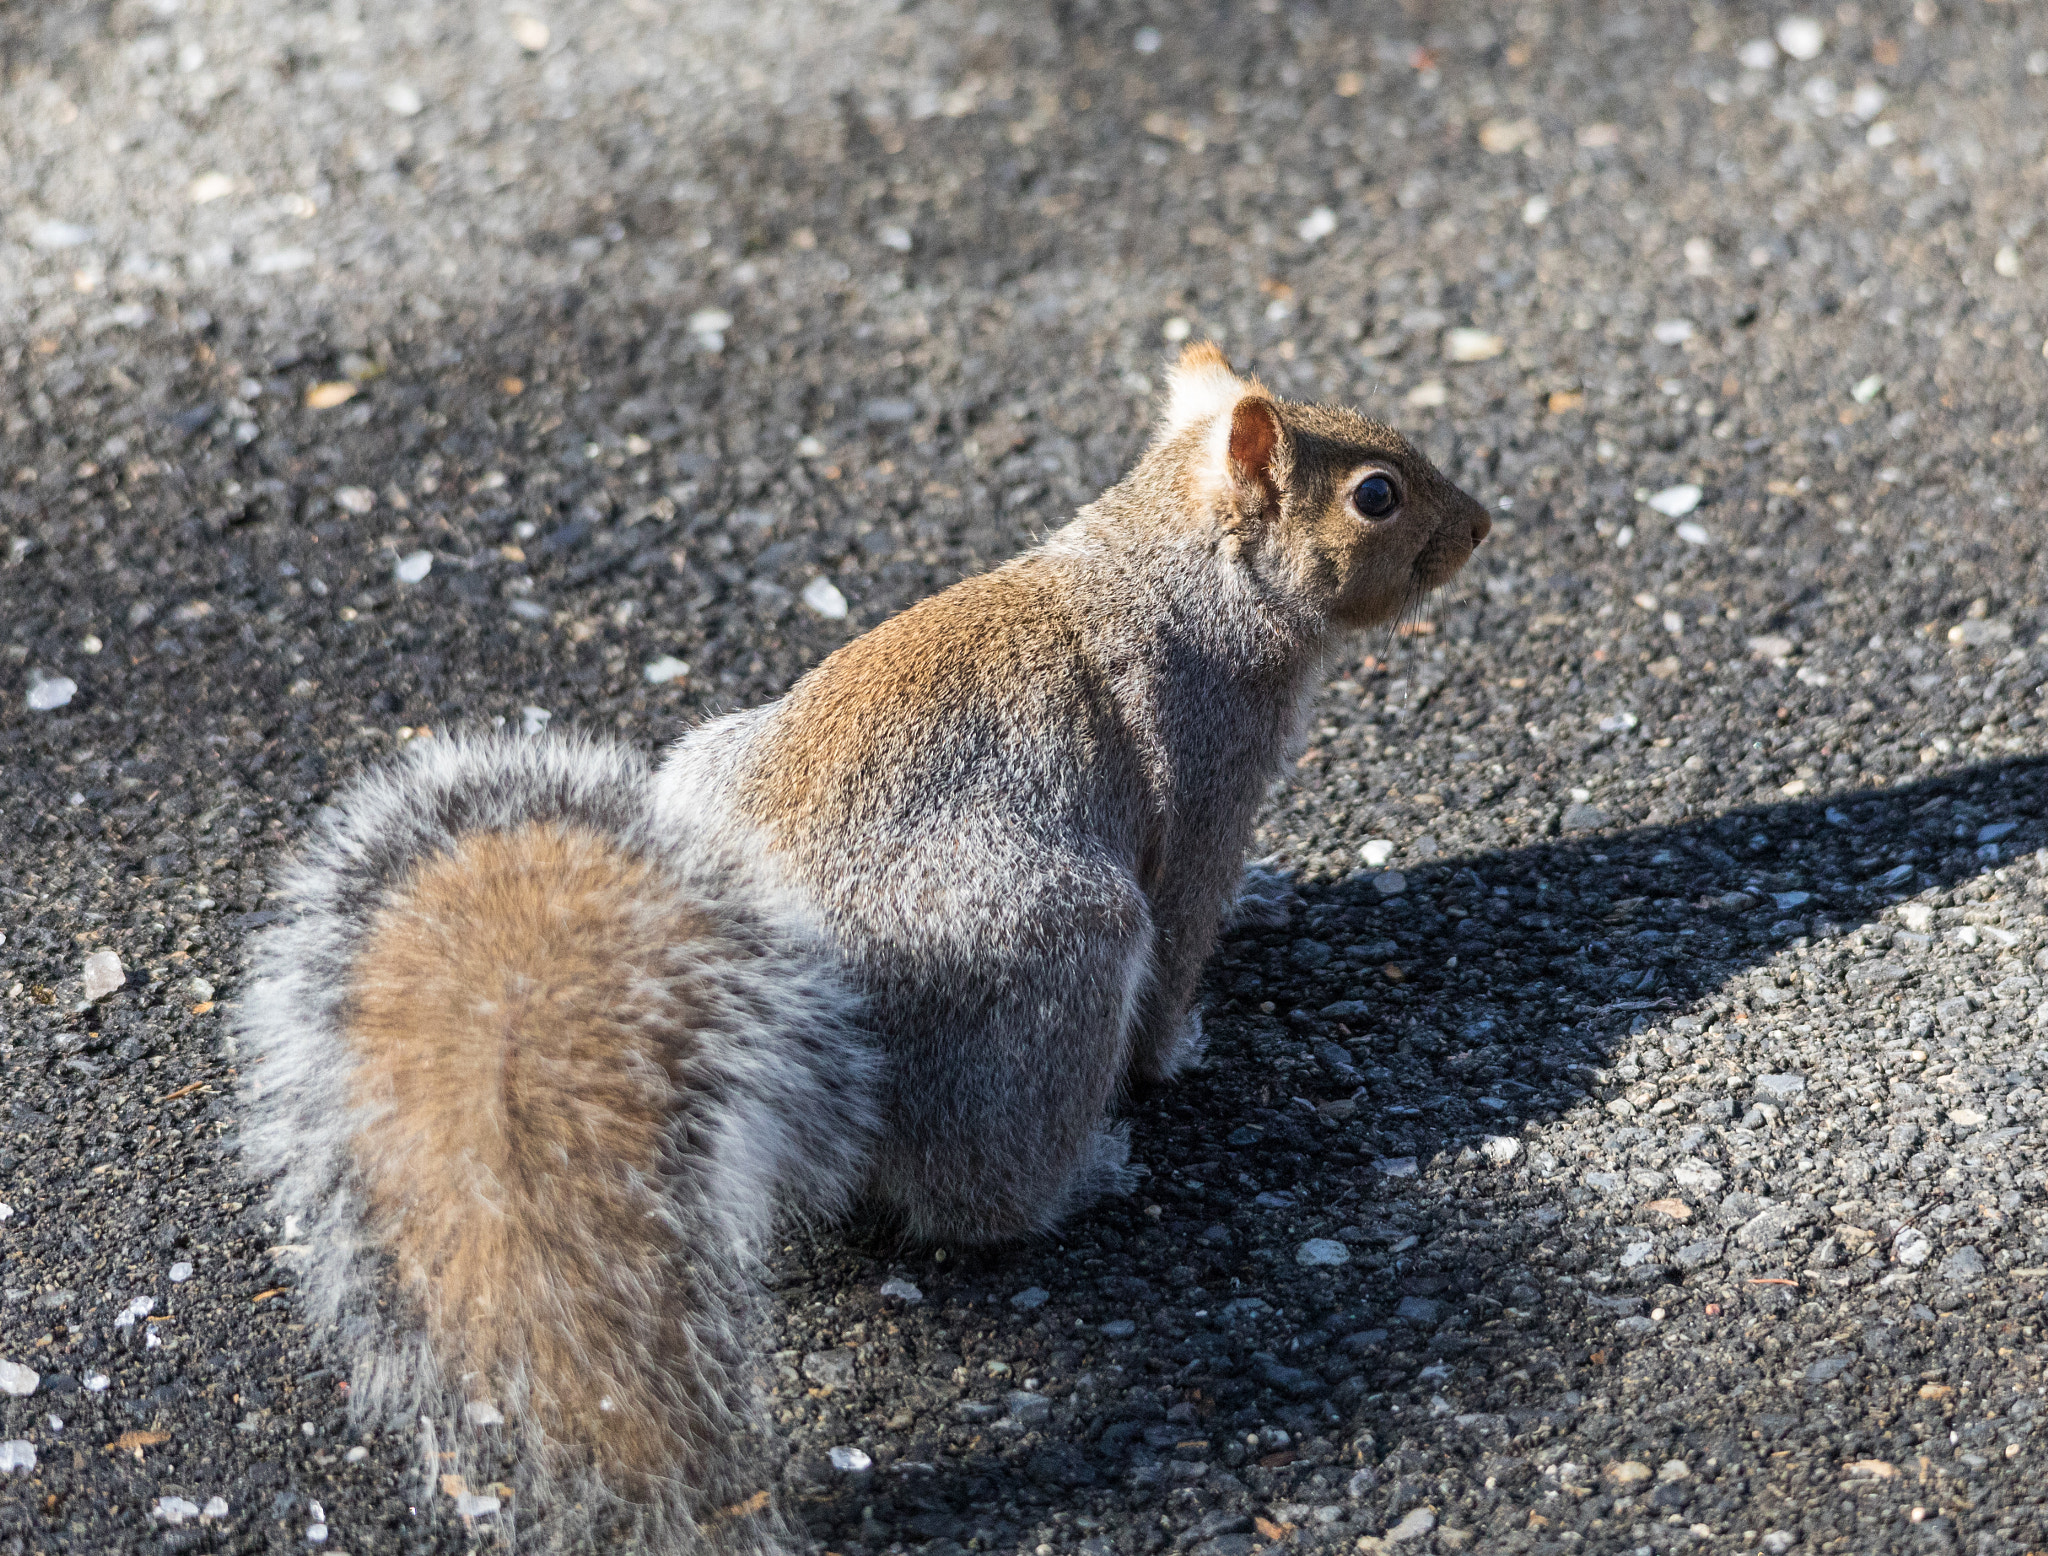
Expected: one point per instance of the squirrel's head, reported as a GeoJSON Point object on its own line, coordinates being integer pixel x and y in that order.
{"type": "Point", "coordinates": [1338, 511]}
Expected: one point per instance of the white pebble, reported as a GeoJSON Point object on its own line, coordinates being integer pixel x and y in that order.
{"type": "Point", "coordinates": [403, 99]}
{"type": "Point", "coordinates": [894, 237]}
{"type": "Point", "coordinates": [103, 974]}
{"type": "Point", "coordinates": [822, 596]}
{"type": "Point", "coordinates": [660, 672]}
{"type": "Point", "coordinates": [1318, 224]}
{"type": "Point", "coordinates": [1500, 1149]}
{"type": "Point", "coordinates": [357, 1454]}
{"type": "Point", "coordinates": [1377, 852]}
{"type": "Point", "coordinates": [534, 720]}
{"type": "Point", "coordinates": [852, 1460]}
{"type": "Point", "coordinates": [530, 33]}
{"type": "Point", "coordinates": [1176, 330]}
{"type": "Point", "coordinates": [1757, 54]}
{"type": "Point", "coordinates": [1671, 332]}
{"type": "Point", "coordinates": [1535, 211]}
{"type": "Point", "coordinates": [471, 1505]}
{"type": "Point", "coordinates": [1322, 1251]}
{"type": "Point", "coordinates": [47, 693]}
{"type": "Point", "coordinates": [710, 321]}
{"type": "Point", "coordinates": [897, 1286]}
{"type": "Point", "coordinates": [53, 235]}
{"type": "Point", "coordinates": [6, 1210]}
{"type": "Point", "coordinates": [174, 1510]}
{"type": "Point", "coordinates": [216, 1507]}
{"type": "Point", "coordinates": [1471, 345]}
{"type": "Point", "coordinates": [18, 1380]}
{"type": "Point", "coordinates": [96, 1383]}
{"type": "Point", "coordinates": [1693, 534]}
{"type": "Point", "coordinates": [1867, 389]}
{"type": "Point", "coordinates": [414, 566]}
{"type": "Point", "coordinates": [1146, 40]}
{"type": "Point", "coordinates": [17, 1453]}
{"type": "Point", "coordinates": [1802, 37]}
{"type": "Point", "coordinates": [316, 1529]}
{"type": "Point", "coordinates": [1675, 502]}
{"type": "Point", "coordinates": [208, 187]}
{"type": "Point", "coordinates": [138, 1307]}
{"type": "Point", "coordinates": [181, 1272]}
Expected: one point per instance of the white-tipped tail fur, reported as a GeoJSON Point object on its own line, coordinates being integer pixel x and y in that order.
{"type": "Point", "coordinates": [534, 1059]}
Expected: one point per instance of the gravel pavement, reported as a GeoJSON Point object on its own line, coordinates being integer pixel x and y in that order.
{"type": "Point", "coordinates": [1631, 1141]}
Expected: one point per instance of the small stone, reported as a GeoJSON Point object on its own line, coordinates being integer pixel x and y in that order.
{"type": "Point", "coordinates": [1757, 54]}
{"type": "Point", "coordinates": [1675, 502]}
{"type": "Point", "coordinates": [51, 236]}
{"type": "Point", "coordinates": [823, 596]}
{"type": "Point", "coordinates": [181, 1272]}
{"type": "Point", "coordinates": [414, 566]}
{"type": "Point", "coordinates": [892, 236]}
{"type": "Point", "coordinates": [1671, 332]}
{"type": "Point", "coordinates": [710, 321]}
{"type": "Point", "coordinates": [1583, 818]}
{"type": "Point", "coordinates": [1911, 1247]}
{"type": "Point", "coordinates": [888, 412]}
{"type": "Point", "coordinates": [1318, 224]}
{"type": "Point", "coordinates": [355, 499]}
{"type": "Point", "coordinates": [1963, 1265]}
{"type": "Point", "coordinates": [173, 1510]}
{"type": "Point", "coordinates": [1693, 534]}
{"type": "Point", "coordinates": [1867, 389]}
{"type": "Point", "coordinates": [1390, 883]}
{"type": "Point", "coordinates": [17, 1453]}
{"type": "Point", "coordinates": [1416, 1523]}
{"type": "Point", "coordinates": [357, 1454]}
{"type": "Point", "coordinates": [103, 975]}
{"type": "Point", "coordinates": [403, 99]}
{"type": "Point", "coordinates": [1396, 1166]}
{"type": "Point", "coordinates": [530, 33]}
{"type": "Point", "coordinates": [1980, 634]}
{"type": "Point", "coordinates": [1146, 40]}
{"type": "Point", "coordinates": [1343, 1010]}
{"type": "Point", "coordinates": [1119, 1329]}
{"type": "Point", "coordinates": [533, 720]}
{"type": "Point", "coordinates": [1419, 1310]}
{"type": "Point", "coordinates": [47, 693]}
{"type": "Point", "coordinates": [851, 1460]}
{"type": "Point", "coordinates": [1829, 1367]}
{"type": "Point", "coordinates": [1630, 1472]}
{"type": "Point", "coordinates": [1802, 37]}
{"type": "Point", "coordinates": [1030, 1297]}
{"type": "Point", "coordinates": [659, 672]}
{"type": "Point", "coordinates": [1322, 1251]}
{"type": "Point", "coordinates": [1377, 852]}
{"type": "Point", "coordinates": [1428, 395]}
{"type": "Point", "coordinates": [1779, 1541]}
{"type": "Point", "coordinates": [1780, 1088]}
{"type": "Point", "coordinates": [1500, 1149]}
{"type": "Point", "coordinates": [1027, 1407]}
{"type": "Point", "coordinates": [896, 1286]}
{"type": "Point", "coordinates": [1470, 345]}
{"type": "Point", "coordinates": [18, 1380]}
{"type": "Point", "coordinates": [830, 1369]}
{"type": "Point", "coordinates": [96, 1382]}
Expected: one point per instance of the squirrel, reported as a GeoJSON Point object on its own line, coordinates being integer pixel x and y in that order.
{"type": "Point", "coordinates": [546, 1036]}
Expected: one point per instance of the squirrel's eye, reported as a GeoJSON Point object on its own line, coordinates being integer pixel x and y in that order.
{"type": "Point", "coordinates": [1375, 497]}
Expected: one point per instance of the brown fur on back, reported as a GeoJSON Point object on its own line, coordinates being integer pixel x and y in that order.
{"type": "Point", "coordinates": [519, 1037]}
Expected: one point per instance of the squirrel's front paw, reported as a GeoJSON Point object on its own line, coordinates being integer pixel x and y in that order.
{"type": "Point", "coordinates": [1265, 899]}
{"type": "Point", "coordinates": [1184, 1053]}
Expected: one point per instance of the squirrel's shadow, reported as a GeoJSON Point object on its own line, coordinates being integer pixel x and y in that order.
{"type": "Point", "coordinates": [1493, 987]}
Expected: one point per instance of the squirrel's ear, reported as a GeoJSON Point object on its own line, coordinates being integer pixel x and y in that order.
{"type": "Point", "coordinates": [1254, 441]}
{"type": "Point", "coordinates": [1199, 388]}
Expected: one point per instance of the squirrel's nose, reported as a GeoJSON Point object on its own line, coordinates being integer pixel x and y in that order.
{"type": "Point", "coordinates": [1482, 526]}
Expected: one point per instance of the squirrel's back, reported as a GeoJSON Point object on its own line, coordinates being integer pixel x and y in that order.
{"type": "Point", "coordinates": [539, 1056]}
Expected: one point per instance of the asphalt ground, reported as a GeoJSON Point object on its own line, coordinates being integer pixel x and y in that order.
{"type": "Point", "coordinates": [1668, 1080]}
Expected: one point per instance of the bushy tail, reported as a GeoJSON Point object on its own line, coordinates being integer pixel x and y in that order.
{"type": "Point", "coordinates": [539, 1057]}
